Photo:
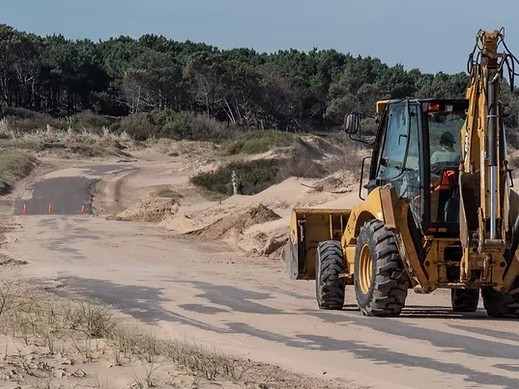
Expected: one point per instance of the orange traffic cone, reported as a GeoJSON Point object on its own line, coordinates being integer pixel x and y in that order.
{"type": "Point", "coordinates": [24, 209]}
{"type": "Point", "coordinates": [82, 209]}
{"type": "Point", "coordinates": [50, 208]}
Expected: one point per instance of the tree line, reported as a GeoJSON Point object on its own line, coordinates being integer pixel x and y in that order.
{"type": "Point", "coordinates": [286, 90]}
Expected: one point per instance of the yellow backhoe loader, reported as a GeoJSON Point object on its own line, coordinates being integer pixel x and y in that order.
{"type": "Point", "coordinates": [439, 211]}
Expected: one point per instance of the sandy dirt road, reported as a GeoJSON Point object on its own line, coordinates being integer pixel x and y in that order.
{"type": "Point", "coordinates": [246, 306]}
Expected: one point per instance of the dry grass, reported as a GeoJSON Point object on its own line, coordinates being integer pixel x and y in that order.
{"type": "Point", "coordinates": [72, 142]}
{"type": "Point", "coordinates": [62, 327]}
{"type": "Point", "coordinates": [58, 332]}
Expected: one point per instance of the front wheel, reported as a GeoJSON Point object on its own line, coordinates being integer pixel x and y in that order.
{"type": "Point", "coordinates": [329, 286]}
{"type": "Point", "coordinates": [381, 281]}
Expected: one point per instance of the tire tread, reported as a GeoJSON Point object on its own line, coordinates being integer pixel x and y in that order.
{"type": "Point", "coordinates": [391, 281]}
{"type": "Point", "coordinates": [464, 300]}
{"type": "Point", "coordinates": [330, 288]}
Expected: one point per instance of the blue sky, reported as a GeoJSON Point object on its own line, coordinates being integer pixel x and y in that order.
{"type": "Point", "coordinates": [432, 35]}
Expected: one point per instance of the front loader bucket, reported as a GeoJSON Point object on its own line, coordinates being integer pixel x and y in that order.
{"type": "Point", "coordinates": [309, 227]}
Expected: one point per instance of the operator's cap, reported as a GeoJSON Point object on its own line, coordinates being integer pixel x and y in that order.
{"type": "Point", "coordinates": [447, 137]}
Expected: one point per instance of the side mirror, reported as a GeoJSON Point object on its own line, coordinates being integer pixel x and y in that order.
{"type": "Point", "coordinates": [352, 123]}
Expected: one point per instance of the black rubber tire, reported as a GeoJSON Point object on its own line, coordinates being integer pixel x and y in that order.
{"type": "Point", "coordinates": [389, 280]}
{"type": "Point", "coordinates": [329, 287]}
{"type": "Point", "coordinates": [464, 300]}
{"type": "Point", "coordinates": [501, 304]}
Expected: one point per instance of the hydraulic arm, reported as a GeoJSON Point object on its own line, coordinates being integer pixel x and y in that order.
{"type": "Point", "coordinates": [483, 179]}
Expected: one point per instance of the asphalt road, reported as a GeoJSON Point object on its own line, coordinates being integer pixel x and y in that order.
{"type": "Point", "coordinates": [68, 195]}
{"type": "Point", "coordinates": [219, 298]}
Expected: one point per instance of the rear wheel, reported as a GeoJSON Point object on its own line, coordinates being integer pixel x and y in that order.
{"type": "Point", "coordinates": [381, 282]}
{"type": "Point", "coordinates": [464, 300]}
{"type": "Point", "coordinates": [502, 304]}
{"type": "Point", "coordinates": [329, 286]}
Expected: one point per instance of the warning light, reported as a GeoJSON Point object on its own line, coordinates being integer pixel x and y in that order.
{"type": "Point", "coordinates": [434, 106]}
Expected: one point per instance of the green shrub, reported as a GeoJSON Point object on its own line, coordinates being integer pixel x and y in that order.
{"type": "Point", "coordinates": [21, 113]}
{"type": "Point", "coordinates": [512, 138]}
{"type": "Point", "coordinates": [256, 142]}
{"type": "Point", "coordinates": [23, 120]}
{"type": "Point", "coordinates": [90, 121]}
{"type": "Point", "coordinates": [252, 176]}
{"type": "Point", "coordinates": [167, 123]}
{"type": "Point", "coordinates": [205, 128]}
{"type": "Point", "coordinates": [171, 125]}
{"type": "Point", "coordinates": [138, 126]}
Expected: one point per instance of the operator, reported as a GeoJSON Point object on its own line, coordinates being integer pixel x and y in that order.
{"type": "Point", "coordinates": [447, 152]}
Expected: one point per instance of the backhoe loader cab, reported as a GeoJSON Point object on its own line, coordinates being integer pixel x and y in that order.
{"type": "Point", "coordinates": [438, 211]}
{"type": "Point", "coordinates": [417, 152]}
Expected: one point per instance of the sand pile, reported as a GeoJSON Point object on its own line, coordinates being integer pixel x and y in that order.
{"type": "Point", "coordinates": [264, 244]}
{"type": "Point", "coordinates": [338, 182]}
{"type": "Point", "coordinates": [149, 210]}
{"type": "Point", "coordinates": [237, 222]}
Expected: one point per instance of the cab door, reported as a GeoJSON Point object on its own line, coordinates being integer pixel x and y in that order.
{"type": "Point", "coordinates": [399, 159]}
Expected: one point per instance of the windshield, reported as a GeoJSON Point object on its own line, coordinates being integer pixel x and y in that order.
{"type": "Point", "coordinates": [395, 141]}
{"type": "Point", "coordinates": [400, 156]}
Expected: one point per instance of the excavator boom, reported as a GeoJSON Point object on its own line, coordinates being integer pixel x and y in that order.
{"type": "Point", "coordinates": [483, 179]}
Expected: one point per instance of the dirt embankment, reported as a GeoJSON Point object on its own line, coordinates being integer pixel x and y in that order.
{"type": "Point", "coordinates": [237, 222]}
{"type": "Point", "coordinates": [239, 229]}
{"type": "Point", "coordinates": [153, 210]}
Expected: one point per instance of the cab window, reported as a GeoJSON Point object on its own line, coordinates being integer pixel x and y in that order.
{"type": "Point", "coordinates": [400, 156]}
{"type": "Point", "coordinates": [395, 142]}
{"type": "Point", "coordinates": [444, 132]}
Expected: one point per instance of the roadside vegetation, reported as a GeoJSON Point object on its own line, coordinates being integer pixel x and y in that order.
{"type": "Point", "coordinates": [74, 137]}
{"type": "Point", "coordinates": [55, 342]}
{"type": "Point", "coordinates": [14, 165]}
{"type": "Point", "coordinates": [257, 142]}
{"type": "Point", "coordinates": [253, 177]}
{"type": "Point", "coordinates": [167, 123]}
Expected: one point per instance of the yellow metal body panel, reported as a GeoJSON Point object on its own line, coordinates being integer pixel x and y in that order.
{"type": "Point", "coordinates": [383, 204]}
{"type": "Point", "coordinates": [381, 105]}
{"type": "Point", "coordinates": [369, 209]}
